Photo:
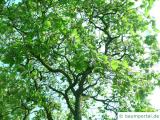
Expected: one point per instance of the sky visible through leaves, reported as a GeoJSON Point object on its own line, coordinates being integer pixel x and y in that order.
{"type": "Point", "coordinates": [155, 96]}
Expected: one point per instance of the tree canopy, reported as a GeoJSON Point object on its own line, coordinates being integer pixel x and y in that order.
{"type": "Point", "coordinates": [75, 59]}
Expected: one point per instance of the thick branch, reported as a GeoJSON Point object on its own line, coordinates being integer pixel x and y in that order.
{"type": "Point", "coordinates": [48, 113]}
{"type": "Point", "coordinates": [65, 97]}
{"type": "Point", "coordinates": [50, 68]}
{"type": "Point", "coordinates": [83, 78]}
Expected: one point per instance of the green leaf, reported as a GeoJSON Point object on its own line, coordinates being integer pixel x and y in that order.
{"type": "Point", "coordinates": [114, 64]}
{"type": "Point", "coordinates": [150, 39]}
{"type": "Point", "coordinates": [125, 63]}
{"type": "Point", "coordinates": [47, 24]}
{"type": "Point", "coordinates": [131, 3]}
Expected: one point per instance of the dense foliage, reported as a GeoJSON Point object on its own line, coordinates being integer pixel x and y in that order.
{"type": "Point", "coordinates": [75, 59]}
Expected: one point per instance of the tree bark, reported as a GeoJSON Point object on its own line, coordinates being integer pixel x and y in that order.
{"type": "Point", "coordinates": [77, 114]}
{"type": "Point", "coordinates": [48, 113]}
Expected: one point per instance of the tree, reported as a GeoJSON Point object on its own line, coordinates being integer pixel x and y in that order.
{"type": "Point", "coordinates": [61, 58]}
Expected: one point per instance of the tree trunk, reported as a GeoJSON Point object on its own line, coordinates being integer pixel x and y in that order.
{"type": "Point", "coordinates": [49, 114]}
{"type": "Point", "coordinates": [77, 114]}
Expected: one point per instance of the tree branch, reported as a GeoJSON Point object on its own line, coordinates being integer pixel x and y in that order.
{"type": "Point", "coordinates": [89, 86]}
{"type": "Point", "coordinates": [65, 95]}
{"type": "Point", "coordinates": [50, 68]}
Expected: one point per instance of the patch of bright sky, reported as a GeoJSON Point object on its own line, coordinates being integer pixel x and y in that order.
{"type": "Point", "coordinates": [154, 98]}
